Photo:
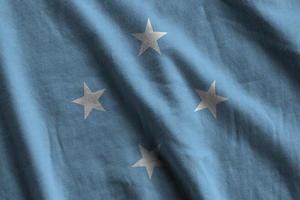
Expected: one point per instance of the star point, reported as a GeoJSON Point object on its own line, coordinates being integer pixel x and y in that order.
{"type": "Point", "coordinates": [209, 99]}
{"type": "Point", "coordinates": [90, 100]}
{"type": "Point", "coordinates": [149, 38]}
{"type": "Point", "coordinates": [149, 160]}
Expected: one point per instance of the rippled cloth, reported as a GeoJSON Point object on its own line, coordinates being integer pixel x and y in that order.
{"type": "Point", "coordinates": [50, 48]}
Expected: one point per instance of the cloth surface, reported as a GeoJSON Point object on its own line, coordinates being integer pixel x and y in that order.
{"type": "Point", "coordinates": [132, 99]}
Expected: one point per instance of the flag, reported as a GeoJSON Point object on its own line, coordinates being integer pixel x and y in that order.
{"type": "Point", "coordinates": [119, 99]}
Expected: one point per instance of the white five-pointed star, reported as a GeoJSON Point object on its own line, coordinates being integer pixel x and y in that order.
{"type": "Point", "coordinates": [90, 100]}
{"type": "Point", "coordinates": [209, 99]}
{"type": "Point", "coordinates": [150, 160]}
{"type": "Point", "coordinates": [149, 38]}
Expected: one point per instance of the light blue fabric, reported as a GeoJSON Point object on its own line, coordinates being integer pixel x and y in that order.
{"type": "Point", "coordinates": [49, 48]}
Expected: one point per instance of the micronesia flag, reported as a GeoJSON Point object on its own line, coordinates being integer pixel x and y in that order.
{"type": "Point", "coordinates": [150, 99]}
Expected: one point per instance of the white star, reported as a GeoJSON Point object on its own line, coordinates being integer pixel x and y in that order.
{"type": "Point", "coordinates": [150, 160]}
{"type": "Point", "coordinates": [149, 38]}
{"type": "Point", "coordinates": [90, 100]}
{"type": "Point", "coordinates": [209, 99]}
